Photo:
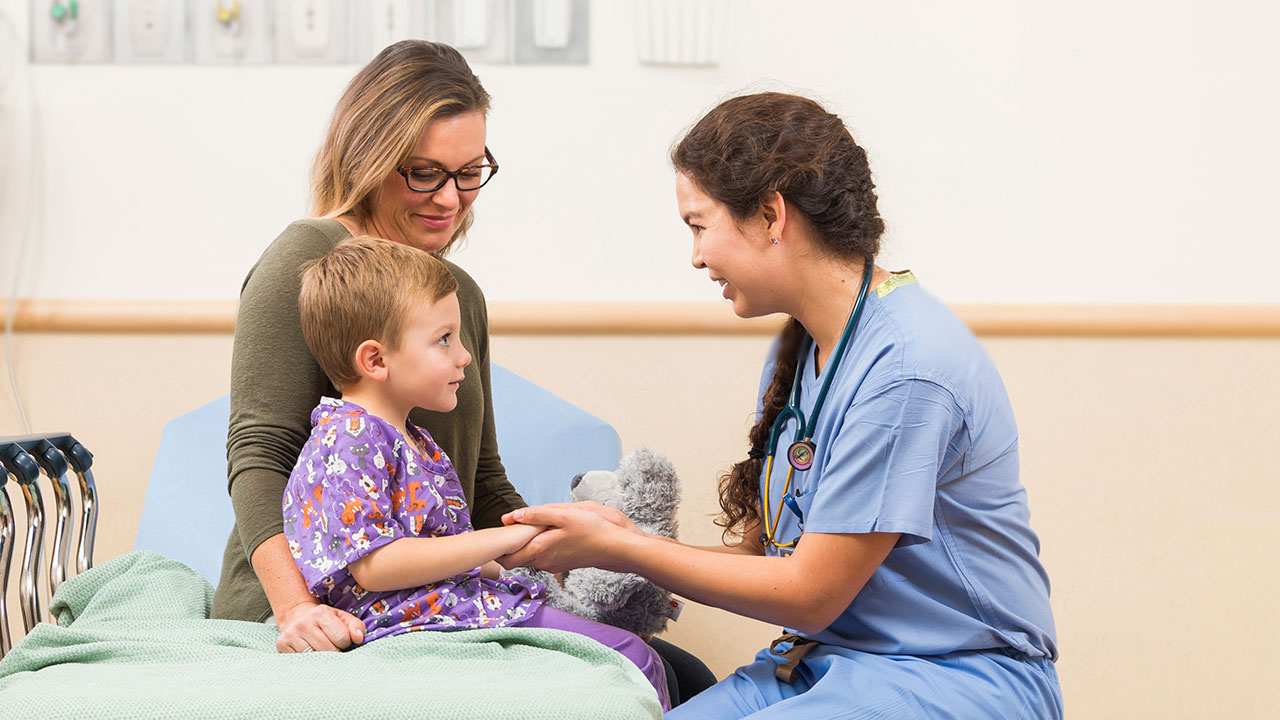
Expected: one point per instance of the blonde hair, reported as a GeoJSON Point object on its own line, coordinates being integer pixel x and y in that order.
{"type": "Point", "coordinates": [379, 119]}
{"type": "Point", "coordinates": [363, 290]}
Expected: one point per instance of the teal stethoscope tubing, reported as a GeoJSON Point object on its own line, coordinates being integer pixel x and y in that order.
{"type": "Point", "coordinates": [803, 440]}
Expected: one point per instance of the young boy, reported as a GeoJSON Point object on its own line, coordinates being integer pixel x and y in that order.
{"type": "Point", "coordinates": [374, 515]}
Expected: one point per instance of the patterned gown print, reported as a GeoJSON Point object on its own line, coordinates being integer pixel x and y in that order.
{"type": "Point", "coordinates": [359, 485]}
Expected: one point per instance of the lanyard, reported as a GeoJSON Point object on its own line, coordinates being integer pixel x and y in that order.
{"type": "Point", "coordinates": [801, 453]}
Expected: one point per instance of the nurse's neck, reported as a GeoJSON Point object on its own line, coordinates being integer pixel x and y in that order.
{"type": "Point", "coordinates": [827, 291]}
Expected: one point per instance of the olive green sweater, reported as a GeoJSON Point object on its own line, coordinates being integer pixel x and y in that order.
{"type": "Point", "coordinates": [275, 384]}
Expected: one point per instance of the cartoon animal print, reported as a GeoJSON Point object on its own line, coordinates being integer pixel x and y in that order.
{"type": "Point", "coordinates": [369, 488]}
{"type": "Point", "coordinates": [334, 465]}
{"type": "Point", "coordinates": [354, 426]}
{"type": "Point", "coordinates": [412, 611]}
{"type": "Point", "coordinates": [359, 541]}
{"type": "Point", "coordinates": [349, 510]}
{"type": "Point", "coordinates": [295, 549]}
{"type": "Point", "coordinates": [330, 437]}
{"type": "Point", "coordinates": [416, 503]}
{"type": "Point", "coordinates": [491, 601]}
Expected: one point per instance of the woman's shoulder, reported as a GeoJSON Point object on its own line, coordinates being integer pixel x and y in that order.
{"type": "Point", "coordinates": [468, 288]}
{"type": "Point", "coordinates": [301, 241]}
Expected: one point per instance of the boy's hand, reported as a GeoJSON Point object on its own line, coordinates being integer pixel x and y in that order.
{"type": "Point", "coordinates": [519, 535]}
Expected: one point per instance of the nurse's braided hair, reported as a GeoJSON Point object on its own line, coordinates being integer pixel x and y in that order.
{"type": "Point", "coordinates": [741, 152]}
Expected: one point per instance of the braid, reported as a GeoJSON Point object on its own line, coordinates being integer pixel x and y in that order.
{"type": "Point", "coordinates": [740, 487]}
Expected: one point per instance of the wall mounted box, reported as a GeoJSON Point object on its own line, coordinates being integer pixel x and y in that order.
{"type": "Point", "coordinates": [70, 31]}
{"type": "Point", "coordinates": [312, 31]}
{"type": "Point", "coordinates": [230, 32]}
{"type": "Point", "coordinates": [150, 31]}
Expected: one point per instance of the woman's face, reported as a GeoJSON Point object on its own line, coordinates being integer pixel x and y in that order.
{"type": "Point", "coordinates": [428, 221]}
{"type": "Point", "coordinates": [735, 255]}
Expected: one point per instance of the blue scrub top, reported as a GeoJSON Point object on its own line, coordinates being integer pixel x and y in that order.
{"type": "Point", "coordinates": [917, 437]}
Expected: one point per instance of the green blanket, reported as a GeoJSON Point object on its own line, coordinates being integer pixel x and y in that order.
{"type": "Point", "coordinates": [133, 641]}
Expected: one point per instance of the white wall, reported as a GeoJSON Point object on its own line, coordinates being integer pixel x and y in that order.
{"type": "Point", "coordinates": [1055, 151]}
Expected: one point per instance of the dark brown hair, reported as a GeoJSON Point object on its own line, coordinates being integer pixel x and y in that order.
{"type": "Point", "coordinates": [739, 154]}
{"type": "Point", "coordinates": [380, 117]}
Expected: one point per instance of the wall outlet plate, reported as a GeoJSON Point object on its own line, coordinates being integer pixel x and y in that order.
{"type": "Point", "coordinates": [379, 23]}
{"type": "Point", "coordinates": [231, 31]}
{"type": "Point", "coordinates": [70, 31]}
{"type": "Point", "coordinates": [150, 31]}
{"type": "Point", "coordinates": [479, 29]}
{"type": "Point", "coordinates": [312, 31]}
{"type": "Point", "coordinates": [551, 32]}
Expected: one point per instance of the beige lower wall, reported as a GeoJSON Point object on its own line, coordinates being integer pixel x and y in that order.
{"type": "Point", "coordinates": [1149, 463]}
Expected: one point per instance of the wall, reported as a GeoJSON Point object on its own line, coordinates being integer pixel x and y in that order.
{"type": "Point", "coordinates": [1064, 150]}
{"type": "Point", "coordinates": [1148, 463]}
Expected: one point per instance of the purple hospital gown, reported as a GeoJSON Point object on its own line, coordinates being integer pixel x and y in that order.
{"type": "Point", "coordinates": [359, 485]}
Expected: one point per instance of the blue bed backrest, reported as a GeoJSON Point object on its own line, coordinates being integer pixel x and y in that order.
{"type": "Point", "coordinates": [187, 514]}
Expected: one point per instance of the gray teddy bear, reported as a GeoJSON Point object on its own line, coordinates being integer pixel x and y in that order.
{"type": "Point", "coordinates": [645, 488]}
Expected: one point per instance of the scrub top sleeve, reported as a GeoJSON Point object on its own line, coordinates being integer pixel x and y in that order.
{"type": "Point", "coordinates": [882, 471]}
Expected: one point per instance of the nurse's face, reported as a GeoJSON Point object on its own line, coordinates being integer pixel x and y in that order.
{"type": "Point", "coordinates": [736, 255]}
{"type": "Point", "coordinates": [428, 221]}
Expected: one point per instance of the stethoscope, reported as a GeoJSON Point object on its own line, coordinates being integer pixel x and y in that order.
{"type": "Point", "coordinates": [802, 451]}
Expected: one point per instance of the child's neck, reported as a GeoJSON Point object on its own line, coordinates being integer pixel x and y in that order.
{"type": "Point", "coordinates": [385, 408]}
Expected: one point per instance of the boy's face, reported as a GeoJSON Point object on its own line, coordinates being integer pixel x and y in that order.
{"type": "Point", "coordinates": [427, 367]}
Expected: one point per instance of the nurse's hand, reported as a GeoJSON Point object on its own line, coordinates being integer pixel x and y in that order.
{"type": "Point", "coordinates": [612, 515]}
{"type": "Point", "coordinates": [576, 536]}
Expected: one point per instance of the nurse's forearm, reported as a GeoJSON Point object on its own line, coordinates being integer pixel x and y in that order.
{"type": "Point", "coordinates": [806, 591]}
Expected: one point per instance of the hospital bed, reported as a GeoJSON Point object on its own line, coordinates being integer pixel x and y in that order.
{"type": "Point", "coordinates": [131, 637]}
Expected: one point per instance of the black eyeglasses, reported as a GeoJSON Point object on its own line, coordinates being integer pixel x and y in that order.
{"type": "Point", "coordinates": [426, 179]}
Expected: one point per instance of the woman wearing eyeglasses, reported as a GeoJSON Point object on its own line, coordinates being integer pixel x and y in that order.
{"type": "Point", "coordinates": [878, 516]}
{"type": "Point", "coordinates": [404, 159]}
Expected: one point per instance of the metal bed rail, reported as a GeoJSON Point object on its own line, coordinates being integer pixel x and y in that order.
{"type": "Point", "coordinates": [24, 459]}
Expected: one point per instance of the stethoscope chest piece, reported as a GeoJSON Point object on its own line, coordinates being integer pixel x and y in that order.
{"type": "Point", "coordinates": [800, 455]}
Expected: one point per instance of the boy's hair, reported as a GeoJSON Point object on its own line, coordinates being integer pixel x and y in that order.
{"type": "Point", "coordinates": [362, 290]}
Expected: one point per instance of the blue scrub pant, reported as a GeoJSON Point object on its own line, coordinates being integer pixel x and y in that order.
{"type": "Point", "coordinates": [835, 682]}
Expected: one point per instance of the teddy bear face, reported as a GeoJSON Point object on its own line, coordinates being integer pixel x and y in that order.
{"type": "Point", "coordinates": [644, 487]}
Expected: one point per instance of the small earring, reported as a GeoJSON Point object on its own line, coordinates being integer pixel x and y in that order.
{"type": "Point", "coordinates": [773, 240]}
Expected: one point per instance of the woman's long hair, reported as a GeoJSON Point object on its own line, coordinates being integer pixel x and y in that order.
{"type": "Point", "coordinates": [379, 119]}
{"type": "Point", "coordinates": [739, 154]}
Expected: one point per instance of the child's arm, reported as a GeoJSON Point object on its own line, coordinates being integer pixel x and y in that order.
{"type": "Point", "coordinates": [411, 562]}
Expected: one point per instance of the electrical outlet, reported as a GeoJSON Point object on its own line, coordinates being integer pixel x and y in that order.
{"type": "Point", "coordinates": [150, 31]}
{"type": "Point", "coordinates": [70, 31]}
{"type": "Point", "coordinates": [378, 23]}
{"type": "Point", "coordinates": [312, 31]}
{"type": "Point", "coordinates": [231, 31]}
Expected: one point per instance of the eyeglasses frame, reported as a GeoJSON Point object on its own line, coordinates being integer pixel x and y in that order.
{"type": "Point", "coordinates": [490, 162]}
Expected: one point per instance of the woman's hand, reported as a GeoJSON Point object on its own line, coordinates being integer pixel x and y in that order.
{"type": "Point", "coordinates": [311, 624]}
{"type": "Point", "coordinates": [577, 535]}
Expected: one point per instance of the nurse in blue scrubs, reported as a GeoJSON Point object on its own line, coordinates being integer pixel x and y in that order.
{"type": "Point", "coordinates": [878, 516]}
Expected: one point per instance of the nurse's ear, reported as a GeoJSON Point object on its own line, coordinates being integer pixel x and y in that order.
{"type": "Point", "coordinates": [773, 210]}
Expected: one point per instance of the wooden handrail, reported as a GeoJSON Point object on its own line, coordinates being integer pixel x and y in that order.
{"type": "Point", "coordinates": [676, 318]}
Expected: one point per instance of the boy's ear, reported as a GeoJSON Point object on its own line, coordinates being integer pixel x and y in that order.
{"type": "Point", "coordinates": [370, 362]}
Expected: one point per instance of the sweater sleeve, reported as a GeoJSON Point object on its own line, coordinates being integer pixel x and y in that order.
{"type": "Point", "coordinates": [494, 494]}
{"type": "Point", "coordinates": [275, 382]}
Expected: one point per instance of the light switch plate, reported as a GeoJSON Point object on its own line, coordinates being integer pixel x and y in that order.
{"type": "Point", "coordinates": [312, 31]}
{"type": "Point", "coordinates": [70, 31]}
{"type": "Point", "coordinates": [231, 31]}
{"type": "Point", "coordinates": [150, 31]}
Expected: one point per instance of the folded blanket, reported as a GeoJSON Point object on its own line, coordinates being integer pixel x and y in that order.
{"type": "Point", "coordinates": [133, 641]}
